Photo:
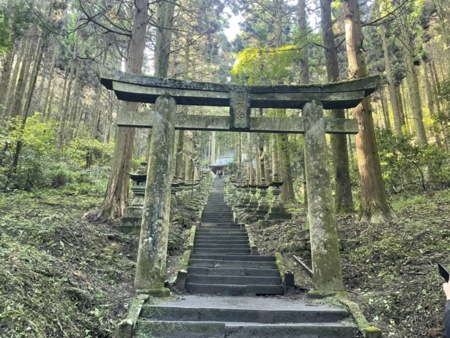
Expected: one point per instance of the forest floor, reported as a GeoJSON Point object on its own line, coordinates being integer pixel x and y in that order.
{"type": "Point", "coordinates": [389, 269]}
{"type": "Point", "coordinates": [61, 274]}
{"type": "Point", "coordinates": [64, 275]}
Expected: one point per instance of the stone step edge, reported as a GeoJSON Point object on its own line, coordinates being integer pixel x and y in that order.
{"type": "Point", "coordinates": [233, 279]}
{"type": "Point", "coordinates": [243, 329]}
{"type": "Point", "coordinates": [255, 272]}
{"type": "Point", "coordinates": [237, 258]}
{"type": "Point", "coordinates": [236, 289]}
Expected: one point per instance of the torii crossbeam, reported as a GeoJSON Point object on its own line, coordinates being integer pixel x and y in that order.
{"type": "Point", "coordinates": [240, 99]}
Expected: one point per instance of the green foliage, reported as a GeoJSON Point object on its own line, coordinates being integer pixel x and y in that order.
{"type": "Point", "coordinates": [265, 66]}
{"type": "Point", "coordinates": [409, 166]}
{"type": "Point", "coordinates": [85, 151]}
{"type": "Point", "coordinates": [80, 167]}
{"type": "Point", "coordinates": [38, 151]}
{"type": "Point", "coordinates": [14, 18]}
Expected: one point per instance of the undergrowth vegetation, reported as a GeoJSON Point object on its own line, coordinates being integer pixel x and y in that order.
{"type": "Point", "coordinates": [60, 274]}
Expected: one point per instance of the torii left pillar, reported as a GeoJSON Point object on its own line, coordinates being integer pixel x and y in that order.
{"type": "Point", "coordinates": [152, 252]}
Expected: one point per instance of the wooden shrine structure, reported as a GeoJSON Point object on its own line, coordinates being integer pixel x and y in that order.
{"type": "Point", "coordinates": [166, 94]}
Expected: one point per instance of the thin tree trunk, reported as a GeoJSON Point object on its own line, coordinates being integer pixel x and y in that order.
{"type": "Point", "coordinates": [303, 32]}
{"type": "Point", "coordinates": [20, 56]}
{"type": "Point", "coordinates": [46, 107]}
{"type": "Point", "coordinates": [5, 81]}
{"type": "Point", "coordinates": [65, 112]}
{"type": "Point", "coordinates": [97, 113]}
{"type": "Point", "coordinates": [386, 120]}
{"type": "Point", "coordinates": [19, 93]}
{"type": "Point", "coordinates": [398, 114]}
{"type": "Point", "coordinates": [413, 84]}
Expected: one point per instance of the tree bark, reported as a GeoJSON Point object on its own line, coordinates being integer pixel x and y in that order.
{"type": "Point", "coordinates": [413, 83]}
{"type": "Point", "coordinates": [20, 88]}
{"type": "Point", "coordinates": [5, 81]}
{"type": "Point", "coordinates": [303, 32]}
{"type": "Point", "coordinates": [398, 114]}
{"type": "Point", "coordinates": [343, 188]}
{"type": "Point", "coordinates": [117, 191]}
{"type": "Point", "coordinates": [374, 205]}
{"type": "Point", "coordinates": [46, 107]}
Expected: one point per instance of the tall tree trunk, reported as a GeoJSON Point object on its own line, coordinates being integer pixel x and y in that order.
{"type": "Point", "coordinates": [164, 25]}
{"type": "Point", "coordinates": [5, 81]}
{"type": "Point", "coordinates": [386, 120]}
{"type": "Point", "coordinates": [398, 114]}
{"type": "Point", "coordinates": [303, 32]}
{"type": "Point", "coordinates": [343, 192]}
{"type": "Point", "coordinates": [287, 189]}
{"type": "Point", "coordinates": [413, 83]}
{"type": "Point", "coordinates": [374, 206]}
{"type": "Point", "coordinates": [46, 106]}
{"type": "Point", "coordinates": [116, 195]}
{"type": "Point", "coordinates": [65, 111]}
{"type": "Point", "coordinates": [19, 93]}
{"type": "Point", "coordinates": [213, 158]}
{"type": "Point", "coordinates": [20, 56]}
{"type": "Point", "coordinates": [97, 115]}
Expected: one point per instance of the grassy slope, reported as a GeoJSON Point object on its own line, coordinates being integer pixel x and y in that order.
{"type": "Point", "coordinates": [390, 269]}
{"type": "Point", "coordinates": [60, 275]}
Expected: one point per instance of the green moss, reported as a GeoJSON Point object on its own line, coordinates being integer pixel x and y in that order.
{"type": "Point", "coordinates": [185, 260]}
{"type": "Point", "coordinates": [192, 236]}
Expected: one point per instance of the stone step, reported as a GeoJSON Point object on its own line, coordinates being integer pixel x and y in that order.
{"type": "Point", "coordinates": [241, 258]}
{"type": "Point", "coordinates": [201, 243]}
{"type": "Point", "coordinates": [200, 261]}
{"type": "Point", "coordinates": [174, 329]}
{"type": "Point", "coordinates": [217, 219]}
{"type": "Point", "coordinates": [221, 231]}
{"type": "Point", "coordinates": [304, 314]}
{"type": "Point", "coordinates": [221, 224]}
{"type": "Point", "coordinates": [220, 245]}
{"type": "Point", "coordinates": [268, 272]}
{"type": "Point", "coordinates": [234, 290]}
{"type": "Point", "coordinates": [221, 237]}
{"type": "Point", "coordinates": [232, 279]}
{"type": "Point", "coordinates": [225, 251]}
{"type": "Point", "coordinates": [217, 211]}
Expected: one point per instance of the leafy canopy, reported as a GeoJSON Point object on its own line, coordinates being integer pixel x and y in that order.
{"type": "Point", "coordinates": [265, 66]}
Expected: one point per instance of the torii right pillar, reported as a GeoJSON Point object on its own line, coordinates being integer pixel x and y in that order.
{"type": "Point", "coordinates": [326, 259]}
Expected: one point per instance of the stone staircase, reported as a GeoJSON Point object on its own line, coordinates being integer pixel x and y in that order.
{"type": "Point", "coordinates": [221, 265]}
{"type": "Point", "coordinates": [221, 261]}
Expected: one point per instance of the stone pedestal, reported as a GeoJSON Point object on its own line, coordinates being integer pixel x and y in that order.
{"type": "Point", "coordinates": [243, 197]}
{"type": "Point", "coordinates": [132, 216]}
{"type": "Point", "coordinates": [263, 205]}
{"type": "Point", "coordinates": [277, 211]}
{"type": "Point", "coordinates": [253, 201]}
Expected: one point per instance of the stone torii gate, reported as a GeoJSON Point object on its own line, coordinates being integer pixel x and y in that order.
{"type": "Point", "coordinates": [167, 93]}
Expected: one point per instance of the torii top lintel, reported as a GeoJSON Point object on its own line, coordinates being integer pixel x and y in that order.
{"type": "Point", "coordinates": [146, 89]}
